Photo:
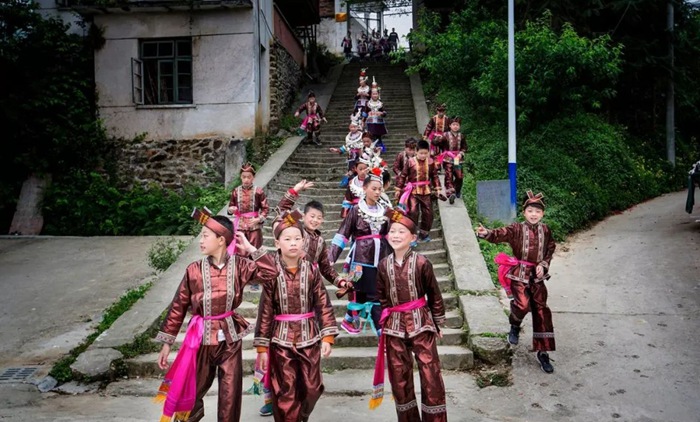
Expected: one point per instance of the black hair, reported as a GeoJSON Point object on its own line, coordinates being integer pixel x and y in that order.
{"type": "Point", "coordinates": [423, 145]}
{"type": "Point", "coordinates": [369, 179]}
{"type": "Point", "coordinates": [386, 177]}
{"type": "Point", "coordinates": [313, 205]}
{"type": "Point", "coordinates": [411, 142]}
{"type": "Point", "coordinates": [224, 221]}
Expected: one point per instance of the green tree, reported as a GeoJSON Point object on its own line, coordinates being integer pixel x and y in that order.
{"type": "Point", "coordinates": [46, 98]}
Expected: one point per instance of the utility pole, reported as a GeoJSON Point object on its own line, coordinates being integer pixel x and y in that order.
{"type": "Point", "coordinates": [512, 166]}
{"type": "Point", "coordinates": [670, 94]}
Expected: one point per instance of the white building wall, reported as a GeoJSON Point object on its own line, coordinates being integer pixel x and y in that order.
{"type": "Point", "coordinates": [224, 75]}
{"type": "Point", "coordinates": [49, 9]}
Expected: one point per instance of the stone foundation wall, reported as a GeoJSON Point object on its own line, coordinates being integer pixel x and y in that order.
{"type": "Point", "coordinates": [285, 78]}
{"type": "Point", "coordinates": [172, 163]}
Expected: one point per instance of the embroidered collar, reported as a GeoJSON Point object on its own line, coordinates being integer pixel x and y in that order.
{"type": "Point", "coordinates": [375, 104]}
{"type": "Point", "coordinates": [356, 190]}
{"type": "Point", "coordinates": [375, 219]}
{"type": "Point", "coordinates": [247, 187]}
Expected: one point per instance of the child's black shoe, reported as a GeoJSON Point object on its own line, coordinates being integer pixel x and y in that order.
{"type": "Point", "coordinates": [545, 364]}
{"type": "Point", "coordinates": [514, 335]}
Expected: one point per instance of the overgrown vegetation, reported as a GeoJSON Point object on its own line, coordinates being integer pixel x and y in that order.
{"type": "Point", "coordinates": [164, 252]}
{"type": "Point", "coordinates": [261, 148]}
{"type": "Point", "coordinates": [83, 203]}
{"type": "Point", "coordinates": [61, 370]}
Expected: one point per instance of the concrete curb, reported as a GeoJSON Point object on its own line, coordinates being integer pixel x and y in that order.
{"type": "Point", "coordinates": [483, 313]}
{"type": "Point", "coordinates": [95, 361]}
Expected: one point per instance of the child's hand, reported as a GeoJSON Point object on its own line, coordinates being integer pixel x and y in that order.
{"type": "Point", "coordinates": [243, 243]}
{"type": "Point", "coordinates": [232, 210]}
{"type": "Point", "coordinates": [324, 119]}
{"type": "Point", "coordinates": [335, 150]}
{"type": "Point", "coordinates": [296, 114]}
{"type": "Point", "coordinates": [325, 349]}
{"type": "Point", "coordinates": [303, 185]}
{"type": "Point", "coordinates": [539, 271]}
{"type": "Point", "coordinates": [481, 231]}
{"type": "Point", "coordinates": [439, 334]}
{"type": "Point", "coordinates": [163, 357]}
{"type": "Point", "coordinates": [263, 357]}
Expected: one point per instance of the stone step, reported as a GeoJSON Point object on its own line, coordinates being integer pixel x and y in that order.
{"type": "Point", "coordinates": [250, 309]}
{"type": "Point", "coordinates": [451, 358]}
{"type": "Point", "coordinates": [366, 338]}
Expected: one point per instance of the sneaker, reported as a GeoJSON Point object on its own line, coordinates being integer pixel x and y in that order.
{"type": "Point", "coordinates": [254, 287]}
{"type": "Point", "coordinates": [349, 327]}
{"type": "Point", "coordinates": [458, 195]}
{"type": "Point", "coordinates": [514, 335]}
{"type": "Point", "coordinates": [425, 239]}
{"type": "Point", "coordinates": [543, 358]}
{"type": "Point", "coordinates": [344, 181]}
{"type": "Point", "coordinates": [452, 199]}
{"type": "Point", "coordinates": [266, 410]}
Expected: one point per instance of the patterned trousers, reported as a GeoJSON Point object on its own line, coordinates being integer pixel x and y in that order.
{"type": "Point", "coordinates": [532, 297]}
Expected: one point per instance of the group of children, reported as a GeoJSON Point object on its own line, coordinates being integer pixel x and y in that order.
{"type": "Point", "coordinates": [391, 289]}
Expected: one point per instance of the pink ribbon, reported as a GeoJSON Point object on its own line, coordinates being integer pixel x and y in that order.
{"type": "Point", "coordinates": [403, 200]}
{"type": "Point", "coordinates": [369, 236]}
{"type": "Point", "coordinates": [451, 154]}
{"type": "Point", "coordinates": [182, 376]}
{"type": "Point", "coordinates": [378, 384]}
{"type": "Point", "coordinates": [505, 263]}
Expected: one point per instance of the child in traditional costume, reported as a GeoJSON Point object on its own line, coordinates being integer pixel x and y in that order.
{"type": "Point", "coordinates": [412, 311]}
{"type": "Point", "coordinates": [454, 148]}
{"type": "Point", "coordinates": [523, 276]}
{"type": "Point", "coordinates": [374, 114]}
{"type": "Point", "coordinates": [363, 92]}
{"type": "Point", "coordinates": [402, 157]}
{"type": "Point", "coordinates": [311, 124]}
{"type": "Point", "coordinates": [435, 129]}
{"type": "Point", "coordinates": [364, 226]}
{"type": "Point", "coordinates": [211, 289]}
{"type": "Point", "coordinates": [416, 186]}
{"type": "Point", "coordinates": [295, 326]}
{"type": "Point", "coordinates": [347, 46]}
{"type": "Point", "coordinates": [249, 208]}
{"type": "Point", "coordinates": [352, 148]}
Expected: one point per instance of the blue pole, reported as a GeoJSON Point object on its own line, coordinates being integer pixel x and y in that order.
{"type": "Point", "coordinates": [512, 167]}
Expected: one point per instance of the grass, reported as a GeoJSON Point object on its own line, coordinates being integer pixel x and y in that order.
{"type": "Point", "coordinates": [61, 370]}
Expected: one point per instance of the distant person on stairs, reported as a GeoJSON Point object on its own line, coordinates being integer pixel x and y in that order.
{"type": "Point", "coordinates": [416, 186]}
{"type": "Point", "coordinates": [523, 276]}
{"type": "Point", "coordinates": [454, 148]}
{"type": "Point", "coordinates": [249, 208]}
{"type": "Point", "coordinates": [412, 312]}
{"type": "Point", "coordinates": [435, 129]}
{"type": "Point", "coordinates": [311, 125]}
{"type": "Point", "coordinates": [352, 148]}
{"type": "Point", "coordinates": [375, 114]}
{"type": "Point", "coordinates": [402, 158]}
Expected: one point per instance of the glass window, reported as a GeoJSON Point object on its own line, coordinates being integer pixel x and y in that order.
{"type": "Point", "coordinates": [167, 71]}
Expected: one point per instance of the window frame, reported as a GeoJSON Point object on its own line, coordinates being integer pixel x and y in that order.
{"type": "Point", "coordinates": [174, 58]}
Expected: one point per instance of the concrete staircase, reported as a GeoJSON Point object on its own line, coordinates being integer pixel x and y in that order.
{"type": "Point", "coordinates": [325, 170]}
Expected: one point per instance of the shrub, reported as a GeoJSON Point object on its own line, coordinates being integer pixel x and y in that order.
{"type": "Point", "coordinates": [164, 252]}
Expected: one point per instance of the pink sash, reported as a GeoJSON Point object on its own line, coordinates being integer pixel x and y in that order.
{"type": "Point", "coordinates": [282, 318]}
{"type": "Point", "coordinates": [179, 388]}
{"type": "Point", "coordinates": [505, 263]}
{"type": "Point", "coordinates": [231, 248]}
{"type": "Point", "coordinates": [408, 189]}
{"type": "Point", "coordinates": [378, 384]}
{"type": "Point", "coordinates": [452, 154]}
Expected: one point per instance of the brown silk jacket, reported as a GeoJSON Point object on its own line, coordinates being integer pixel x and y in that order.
{"type": "Point", "coordinates": [412, 280]}
{"type": "Point", "coordinates": [295, 293]}
{"type": "Point", "coordinates": [419, 171]}
{"type": "Point", "coordinates": [250, 199]}
{"type": "Point", "coordinates": [314, 245]}
{"type": "Point", "coordinates": [209, 291]}
{"type": "Point", "coordinates": [530, 243]}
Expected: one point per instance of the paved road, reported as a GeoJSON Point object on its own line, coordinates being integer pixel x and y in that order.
{"type": "Point", "coordinates": [54, 290]}
{"type": "Point", "coordinates": [626, 302]}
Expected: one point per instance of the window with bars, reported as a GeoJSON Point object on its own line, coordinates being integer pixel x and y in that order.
{"type": "Point", "coordinates": [163, 72]}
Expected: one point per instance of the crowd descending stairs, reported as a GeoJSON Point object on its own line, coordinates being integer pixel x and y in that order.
{"type": "Point", "coordinates": [326, 169]}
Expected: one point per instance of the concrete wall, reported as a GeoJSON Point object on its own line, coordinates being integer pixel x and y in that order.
{"type": "Point", "coordinates": [227, 86]}
{"type": "Point", "coordinates": [331, 33]}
